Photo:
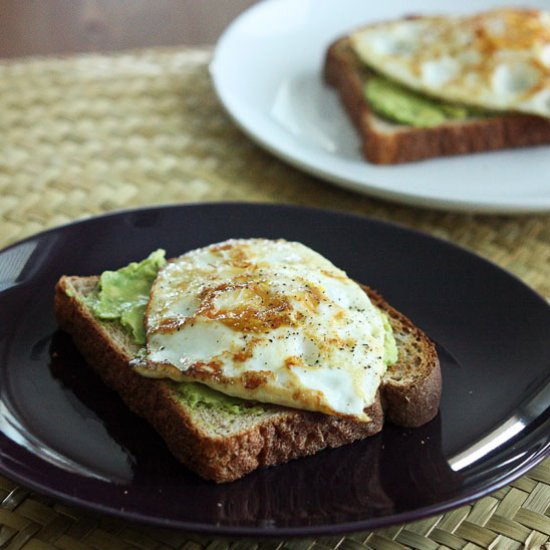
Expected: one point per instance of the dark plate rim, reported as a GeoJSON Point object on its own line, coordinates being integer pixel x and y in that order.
{"type": "Point", "coordinates": [17, 455]}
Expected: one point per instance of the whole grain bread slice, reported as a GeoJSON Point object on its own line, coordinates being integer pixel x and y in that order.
{"type": "Point", "coordinates": [386, 142]}
{"type": "Point", "coordinates": [222, 445]}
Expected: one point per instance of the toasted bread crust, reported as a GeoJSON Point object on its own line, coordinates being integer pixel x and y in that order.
{"type": "Point", "coordinates": [411, 388]}
{"type": "Point", "coordinates": [387, 143]}
{"type": "Point", "coordinates": [277, 438]}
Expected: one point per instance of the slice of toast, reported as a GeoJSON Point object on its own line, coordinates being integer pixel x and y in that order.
{"type": "Point", "coordinates": [386, 142]}
{"type": "Point", "coordinates": [222, 445]}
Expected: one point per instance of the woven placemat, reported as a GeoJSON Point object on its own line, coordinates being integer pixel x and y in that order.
{"type": "Point", "coordinates": [90, 134]}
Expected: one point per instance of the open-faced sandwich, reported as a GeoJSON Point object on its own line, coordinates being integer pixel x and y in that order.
{"type": "Point", "coordinates": [249, 353]}
{"type": "Point", "coordinates": [429, 86]}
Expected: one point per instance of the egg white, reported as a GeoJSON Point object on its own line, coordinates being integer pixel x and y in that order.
{"type": "Point", "coordinates": [271, 321]}
{"type": "Point", "coordinates": [497, 60]}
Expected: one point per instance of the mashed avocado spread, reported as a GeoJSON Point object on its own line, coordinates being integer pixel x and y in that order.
{"type": "Point", "coordinates": [199, 394]}
{"type": "Point", "coordinates": [390, 346]}
{"type": "Point", "coordinates": [399, 104]}
{"type": "Point", "coordinates": [123, 295]}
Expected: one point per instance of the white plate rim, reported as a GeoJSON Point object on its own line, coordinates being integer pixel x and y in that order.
{"type": "Point", "coordinates": [257, 124]}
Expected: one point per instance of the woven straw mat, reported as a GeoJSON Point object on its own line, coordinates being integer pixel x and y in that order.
{"type": "Point", "coordinates": [90, 134]}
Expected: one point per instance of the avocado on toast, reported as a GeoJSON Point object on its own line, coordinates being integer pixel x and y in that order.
{"type": "Point", "coordinates": [396, 125]}
{"type": "Point", "coordinates": [223, 438]}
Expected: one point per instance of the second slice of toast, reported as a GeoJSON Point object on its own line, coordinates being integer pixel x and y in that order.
{"type": "Point", "coordinates": [386, 142]}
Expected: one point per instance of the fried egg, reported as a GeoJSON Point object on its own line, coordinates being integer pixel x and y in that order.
{"type": "Point", "coordinates": [498, 60]}
{"type": "Point", "coordinates": [267, 320]}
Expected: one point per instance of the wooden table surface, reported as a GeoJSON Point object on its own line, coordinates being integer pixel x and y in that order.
{"type": "Point", "coordinates": [43, 27]}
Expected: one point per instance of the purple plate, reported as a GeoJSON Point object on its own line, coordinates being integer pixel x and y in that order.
{"type": "Point", "coordinates": [66, 435]}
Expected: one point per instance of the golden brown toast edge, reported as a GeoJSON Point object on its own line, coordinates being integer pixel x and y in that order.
{"type": "Point", "coordinates": [411, 393]}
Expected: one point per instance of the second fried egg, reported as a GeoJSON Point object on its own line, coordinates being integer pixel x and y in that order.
{"type": "Point", "coordinates": [497, 60]}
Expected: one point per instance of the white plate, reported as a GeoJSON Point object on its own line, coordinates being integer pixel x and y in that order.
{"type": "Point", "coordinates": [267, 73]}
